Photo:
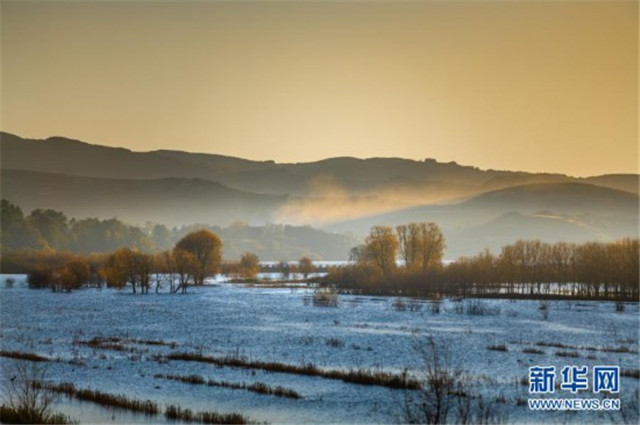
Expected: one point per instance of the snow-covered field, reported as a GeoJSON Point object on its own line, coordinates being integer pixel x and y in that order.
{"type": "Point", "coordinates": [280, 324]}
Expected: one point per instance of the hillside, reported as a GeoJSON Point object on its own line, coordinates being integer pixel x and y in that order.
{"type": "Point", "coordinates": [570, 198]}
{"type": "Point", "coordinates": [572, 212]}
{"type": "Point", "coordinates": [171, 201]}
{"type": "Point", "coordinates": [474, 207]}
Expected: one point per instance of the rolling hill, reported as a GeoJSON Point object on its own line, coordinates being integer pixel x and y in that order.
{"type": "Point", "coordinates": [476, 208]}
{"type": "Point", "coordinates": [171, 201]}
{"type": "Point", "coordinates": [551, 212]}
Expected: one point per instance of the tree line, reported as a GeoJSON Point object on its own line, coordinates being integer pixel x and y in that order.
{"type": "Point", "coordinates": [46, 230]}
{"type": "Point", "coordinates": [405, 260]}
{"type": "Point", "coordinates": [195, 257]}
{"type": "Point", "coordinates": [408, 260]}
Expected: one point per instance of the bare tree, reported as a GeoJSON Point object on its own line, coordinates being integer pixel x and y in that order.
{"type": "Point", "coordinates": [25, 400]}
{"type": "Point", "coordinates": [446, 394]}
{"type": "Point", "coordinates": [185, 267]}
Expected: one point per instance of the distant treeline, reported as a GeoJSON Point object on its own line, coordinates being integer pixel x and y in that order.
{"type": "Point", "coordinates": [45, 229]}
{"type": "Point", "coordinates": [524, 269]}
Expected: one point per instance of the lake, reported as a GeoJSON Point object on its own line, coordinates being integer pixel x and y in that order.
{"type": "Point", "coordinates": [282, 325]}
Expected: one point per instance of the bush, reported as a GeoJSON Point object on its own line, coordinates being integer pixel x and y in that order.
{"type": "Point", "coordinates": [544, 309]}
{"type": "Point", "coordinates": [478, 308]}
{"type": "Point", "coordinates": [325, 298]}
{"type": "Point", "coordinates": [436, 305]}
{"type": "Point", "coordinates": [399, 305]}
{"type": "Point", "coordinates": [62, 273]}
{"type": "Point", "coordinates": [335, 343]}
{"type": "Point", "coordinates": [40, 277]}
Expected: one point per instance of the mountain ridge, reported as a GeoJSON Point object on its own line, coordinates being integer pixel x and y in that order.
{"type": "Point", "coordinates": [474, 207]}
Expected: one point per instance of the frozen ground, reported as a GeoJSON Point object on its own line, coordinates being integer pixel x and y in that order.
{"type": "Point", "coordinates": [278, 324]}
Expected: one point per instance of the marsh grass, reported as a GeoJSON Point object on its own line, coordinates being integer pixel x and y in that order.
{"type": "Point", "coordinates": [500, 347]}
{"type": "Point", "coordinates": [120, 344]}
{"type": "Point", "coordinates": [356, 376]}
{"type": "Point", "coordinates": [620, 349]}
{"type": "Point", "coordinates": [532, 351]}
{"type": "Point", "coordinates": [25, 401]}
{"type": "Point", "coordinates": [146, 407]}
{"type": "Point", "coordinates": [153, 342]}
{"type": "Point", "coordinates": [572, 354]}
{"type": "Point", "coordinates": [100, 343]}
{"type": "Point", "coordinates": [11, 415]}
{"type": "Point", "coordinates": [105, 399]}
{"type": "Point", "coordinates": [24, 356]}
{"type": "Point", "coordinates": [630, 373]}
{"type": "Point", "coordinates": [258, 387]}
{"type": "Point", "coordinates": [187, 415]}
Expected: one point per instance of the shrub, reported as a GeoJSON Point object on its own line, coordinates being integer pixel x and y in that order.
{"type": "Point", "coordinates": [62, 273]}
{"type": "Point", "coordinates": [436, 305]}
{"type": "Point", "coordinates": [478, 308]}
{"type": "Point", "coordinates": [335, 343]}
{"type": "Point", "coordinates": [39, 277]}
{"type": "Point", "coordinates": [544, 309]}
{"type": "Point", "coordinates": [325, 298]}
{"type": "Point", "coordinates": [399, 305]}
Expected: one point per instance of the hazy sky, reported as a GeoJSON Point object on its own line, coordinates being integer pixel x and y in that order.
{"type": "Point", "coordinates": [542, 86]}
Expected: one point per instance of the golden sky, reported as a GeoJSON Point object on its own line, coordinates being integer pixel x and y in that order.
{"type": "Point", "coordinates": [536, 86]}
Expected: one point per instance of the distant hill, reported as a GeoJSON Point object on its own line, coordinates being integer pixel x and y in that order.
{"type": "Point", "coordinates": [626, 182]}
{"type": "Point", "coordinates": [511, 226]}
{"type": "Point", "coordinates": [170, 201]}
{"type": "Point", "coordinates": [572, 212]}
{"type": "Point", "coordinates": [342, 194]}
{"type": "Point", "coordinates": [569, 198]}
